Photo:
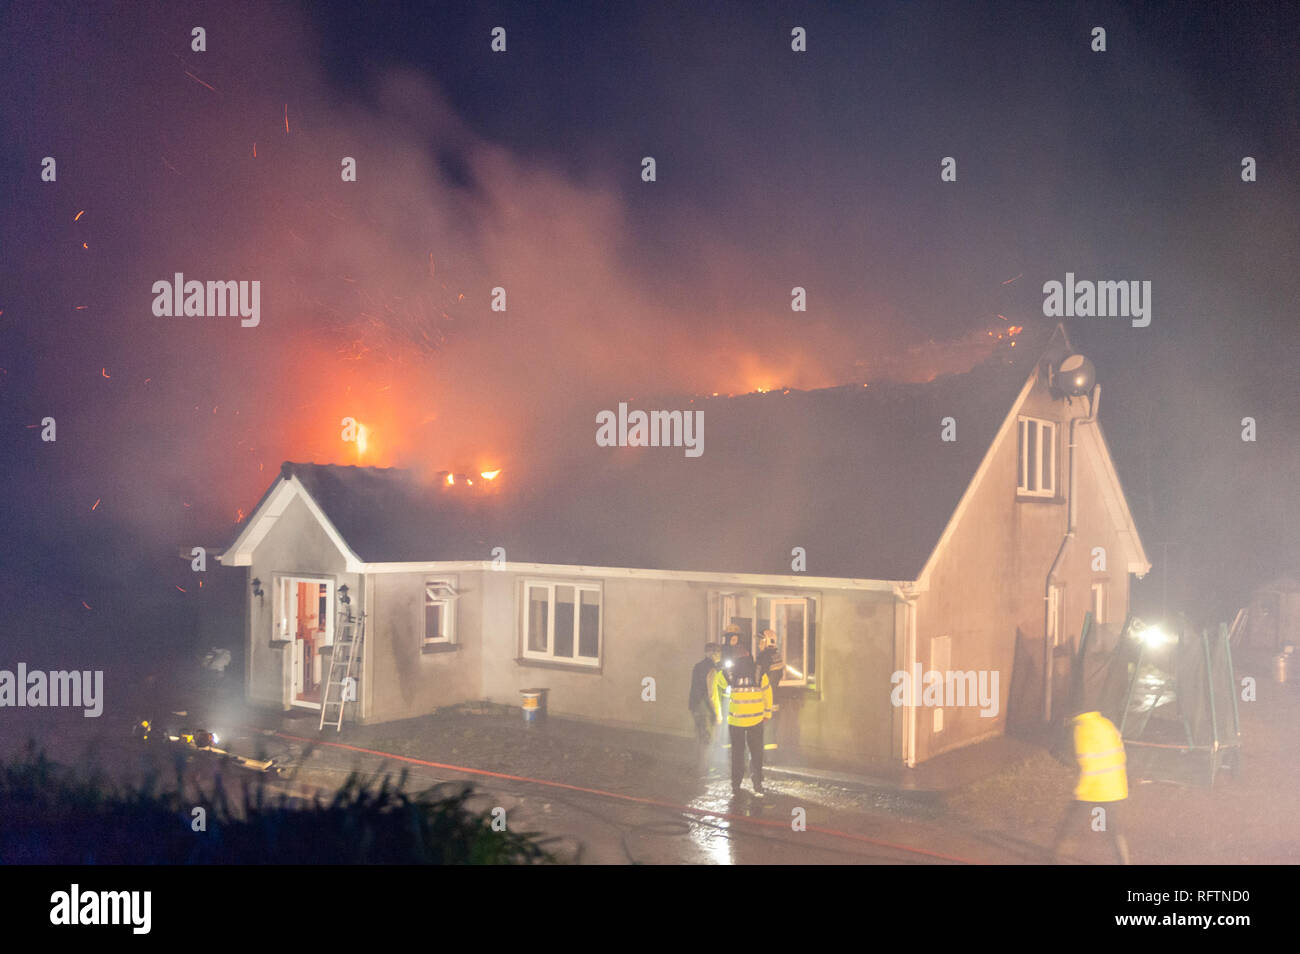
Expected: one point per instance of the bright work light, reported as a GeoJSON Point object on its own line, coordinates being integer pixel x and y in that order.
{"type": "Point", "coordinates": [1154, 636]}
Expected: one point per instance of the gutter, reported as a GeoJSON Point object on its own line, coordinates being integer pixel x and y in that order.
{"type": "Point", "coordinates": [1071, 511]}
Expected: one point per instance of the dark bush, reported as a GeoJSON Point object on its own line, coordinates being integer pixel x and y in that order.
{"type": "Point", "coordinates": [49, 815]}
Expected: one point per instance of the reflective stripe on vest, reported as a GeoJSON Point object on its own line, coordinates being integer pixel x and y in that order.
{"type": "Point", "coordinates": [1100, 752]}
{"type": "Point", "coordinates": [748, 707]}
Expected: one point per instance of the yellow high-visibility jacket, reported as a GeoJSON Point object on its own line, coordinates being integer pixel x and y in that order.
{"type": "Point", "coordinates": [717, 688]}
{"type": "Point", "coordinates": [1100, 752]}
{"type": "Point", "coordinates": [749, 704]}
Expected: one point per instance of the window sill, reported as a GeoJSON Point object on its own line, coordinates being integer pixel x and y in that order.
{"type": "Point", "coordinates": [526, 662]}
{"type": "Point", "coordinates": [435, 648]}
{"type": "Point", "coordinates": [795, 692]}
{"type": "Point", "coordinates": [1033, 498]}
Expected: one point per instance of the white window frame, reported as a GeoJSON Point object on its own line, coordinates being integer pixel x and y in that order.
{"type": "Point", "coordinates": [1055, 605]}
{"type": "Point", "coordinates": [940, 662]}
{"type": "Point", "coordinates": [732, 603]}
{"type": "Point", "coordinates": [809, 607]}
{"type": "Point", "coordinates": [440, 592]}
{"type": "Point", "coordinates": [579, 587]}
{"type": "Point", "coordinates": [1046, 434]}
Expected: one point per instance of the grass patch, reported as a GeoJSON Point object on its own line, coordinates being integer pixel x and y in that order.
{"type": "Point", "coordinates": [50, 815]}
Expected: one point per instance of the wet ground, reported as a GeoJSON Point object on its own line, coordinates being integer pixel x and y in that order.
{"type": "Point", "coordinates": [603, 796]}
{"type": "Point", "coordinates": [1253, 818]}
{"type": "Point", "coordinates": [613, 796]}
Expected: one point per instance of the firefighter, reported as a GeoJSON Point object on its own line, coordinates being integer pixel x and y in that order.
{"type": "Point", "coordinates": [1103, 782]}
{"type": "Point", "coordinates": [749, 709]}
{"type": "Point", "coordinates": [704, 703]}
{"type": "Point", "coordinates": [771, 662]}
{"type": "Point", "coordinates": [730, 640]}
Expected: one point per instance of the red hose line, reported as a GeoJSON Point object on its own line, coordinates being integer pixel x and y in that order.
{"type": "Point", "coordinates": [629, 798]}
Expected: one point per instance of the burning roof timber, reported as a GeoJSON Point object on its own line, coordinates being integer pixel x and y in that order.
{"type": "Point", "coordinates": [855, 475]}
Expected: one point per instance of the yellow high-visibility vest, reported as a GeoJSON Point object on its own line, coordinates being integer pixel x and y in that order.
{"type": "Point", "coordinates": [750, 705]}
{"type": "Point", "coordinates": [1100, 752]}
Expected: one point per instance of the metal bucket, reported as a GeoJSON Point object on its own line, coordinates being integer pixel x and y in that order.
{"type": "Point", "coordinates": [534, 706]}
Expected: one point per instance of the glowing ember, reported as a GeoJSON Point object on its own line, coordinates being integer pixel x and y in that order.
{"type": "Point", "coordinates": [451, 479]}
{"type": "Point", "coordinates": [79, 214]}
{"type": "Point", "coordinates": [96, 503]}
{"type": "Point", "coordinates": [197, 80]}
{"type": "Point", "coordinates": [488, 474]}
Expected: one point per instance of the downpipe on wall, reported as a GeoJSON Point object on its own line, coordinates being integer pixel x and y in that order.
{"type": "Point", "coordinates": [1070, 521]}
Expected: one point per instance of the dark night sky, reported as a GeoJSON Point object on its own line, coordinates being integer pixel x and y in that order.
{"type": "Point", "coordinates": [774, 169]}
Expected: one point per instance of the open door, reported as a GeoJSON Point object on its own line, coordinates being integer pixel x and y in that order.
{"type": "Point", "coordinates": [307, 619]}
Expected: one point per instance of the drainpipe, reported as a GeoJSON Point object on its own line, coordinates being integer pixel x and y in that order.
{"type": "Point", "coordinates": [1071, 514]}
{"type": "Point", "coordinates": [909, 599]}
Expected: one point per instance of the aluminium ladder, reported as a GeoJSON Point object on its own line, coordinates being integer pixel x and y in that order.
{"type": "Point", "coordinates": [341, 675]}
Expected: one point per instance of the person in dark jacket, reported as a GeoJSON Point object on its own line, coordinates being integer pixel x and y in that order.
{"type": "Point", "coordinates": [703, 704]}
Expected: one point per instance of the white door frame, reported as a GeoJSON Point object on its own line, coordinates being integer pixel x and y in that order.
{"type": "Point", "coordinates": [285, 627]}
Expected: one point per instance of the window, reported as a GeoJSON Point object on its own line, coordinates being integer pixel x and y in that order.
{"type": "Point", "coordinates": [794, 620]}
{"type": "Point", "coordinates": [1036, 461]}
{"type": "Point", "coordinates": [940, 662]}
{"type": "Point", "coordinates": [439, 613]}
{"type": "Point", "coordinates": [562, 622]}
{"type": "Point", "coordinates": [1099, 602]}
{"type": "Point", "coordinates": [1054, 603]}
{"type": "Point", "coordinates": [737, 610]}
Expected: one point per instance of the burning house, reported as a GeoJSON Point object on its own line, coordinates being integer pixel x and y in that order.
{"type": "Point", "coordinates": [960, 525]}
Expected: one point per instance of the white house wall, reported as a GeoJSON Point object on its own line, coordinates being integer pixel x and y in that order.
{"type": "Point", "coordinates": [406, 680]}
{"type": "Point", "coordinates": [296, 545]}
{"type": "Point", "coordinates": [987, 586]}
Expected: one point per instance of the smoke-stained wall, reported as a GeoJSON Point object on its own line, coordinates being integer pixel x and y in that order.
{"type": "Point", "coordinates": [296, 545]}
{"type": "Point", "coordinates": [408, 678]}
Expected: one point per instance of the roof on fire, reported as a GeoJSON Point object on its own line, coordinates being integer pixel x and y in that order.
{"type": "Point", "coordinates": [857, 476]}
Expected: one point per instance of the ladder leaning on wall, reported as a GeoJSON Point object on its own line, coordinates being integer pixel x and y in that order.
{"type": "Point", "coordinates": [340, 689]}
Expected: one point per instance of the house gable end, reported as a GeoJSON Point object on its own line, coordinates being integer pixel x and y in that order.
{"type": "Point", "coordinates": [268, 513]}
{"type": "Point", "coordinates": [1059, 342]}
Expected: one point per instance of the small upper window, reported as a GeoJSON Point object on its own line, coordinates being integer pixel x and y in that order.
{"type": "Point", "coordinates": [1036, 461]}
{"type": "Point", "coordinates": [439, 613]}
